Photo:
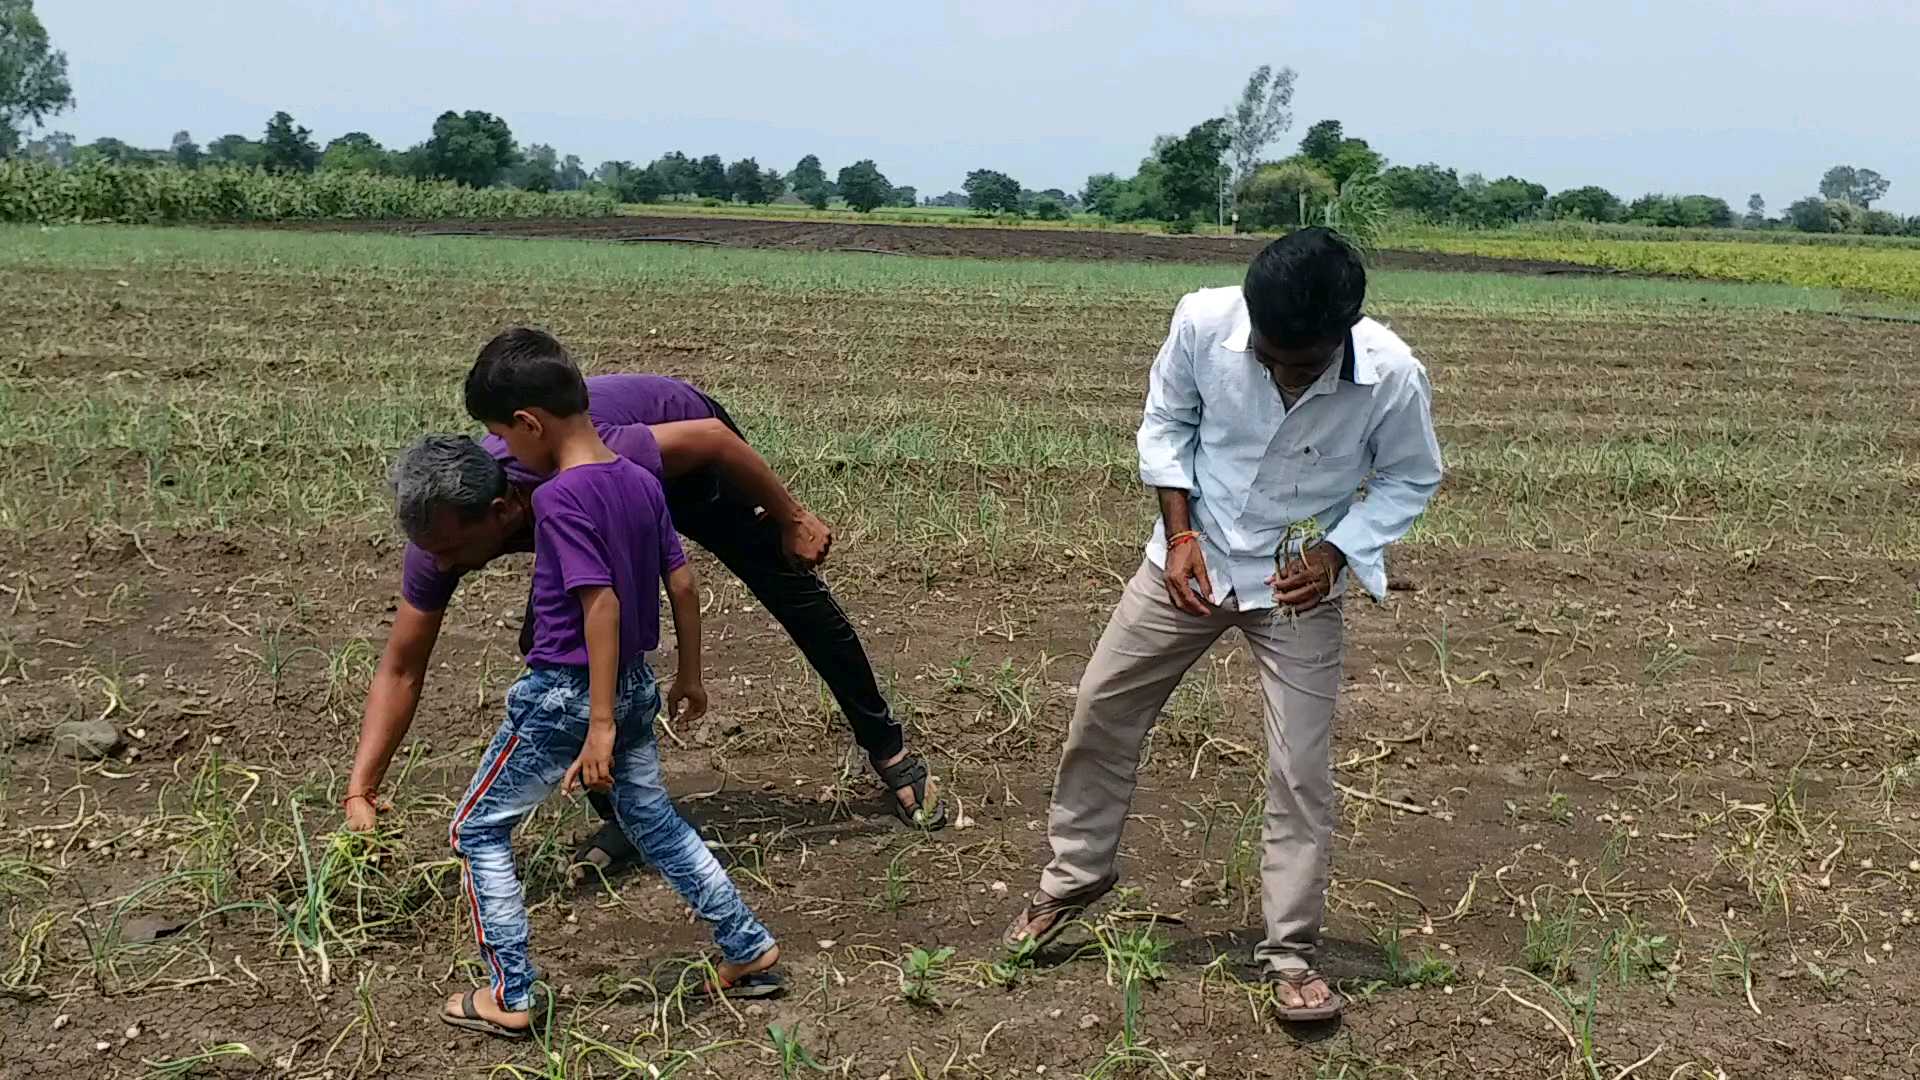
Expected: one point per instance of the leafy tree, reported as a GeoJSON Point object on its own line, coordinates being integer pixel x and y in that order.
{"type": "Point", "coordinates": [236, 150]}
{"type": "Point", "coordinates": [1810, 215]}
{"type": "Point", "coordinates": [1502, 202]}
{"type": "Point", "coordinates": [33, 74]}
{"type": "Point", "coordinates": [1353, 159]}
{"type": "Point", "coordinates": [1100, 191]}
{"type": "Point", "coordinates": [992, 192]}
{"type": "Point", "coordinates": [474, 148]}
{"type": "Point", "coordinates": [1259, 117]}
{"type": "Point", "coordinates": [744, 180]}
{"type": "Point", "coordinates": [1588, 203]}
{"type": "Point", "coordinates": [1048, 208]}
{"type": "Point", "coordinates": [1284, 195]}
{"type": "Point", "coordinates": [772, 185]}
{"type": "Point", "coordinates": [538, 170]}
{"type": "Point", "coordinates": [1756, 211]}
{"type": "Point", "coordinates": [108, 151]}
{"type": "Point", "coordinates": [571, 176]}
{"type": "Point", "coordinates": [627, 182]}
{"type": "Point", "coordinates": [1685, 211]}
{"type": "Point", "coordinates": [1861, 187]}
{"type": "Point", "coordinates": [55, 148]}
{"type": "Point", "coordinates": [676, 172]}
{"type": "Point", "coordinates": [1322, 142]}
{"type": "Point", "coordinates": [1191, 176]}
{"type": "Point", "coordinates": [354, 152]}
{"type": "Point", "coordinates": [906, 195]}
{"type": "Point", "coordinates": [1427, 190]}
{"type": "Point", "coordinates": [863, 186]}
{"type": "Point", "coordinates": [952, 199]}
{"type": "Point", "coordinates": [710, 178]}
{"type": "Point", "coordinates": [186, 152]}
{"type": "Point", "coordinates": [809, 182]}
{"type": "Point", "coordinates": [288, 147]}
{"type": "Point", "coordinates": [1879, 223]}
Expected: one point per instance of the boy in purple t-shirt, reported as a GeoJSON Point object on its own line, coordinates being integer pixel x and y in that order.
{"type": "Point", "coordinates": [584, 712]}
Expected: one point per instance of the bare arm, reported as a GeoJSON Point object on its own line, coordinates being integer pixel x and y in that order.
{"type": "Point", "coordinates": [687, 445]}
{"type": "Point", "coordinates": [601, 611]}
{"type": "Point", "coordinates": [683, 596]}
{"type": "Point", "coordinates": [1188, 585]}
{"type": "Point", "coordinates": [392, 699]}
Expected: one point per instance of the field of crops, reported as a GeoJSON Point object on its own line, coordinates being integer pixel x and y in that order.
{"type": "Point", "coordinates": [1884, 267]}
{"type": "Point", "coordinates": [1631, 758]}
{"type": "Point", "coordinates": [39, 194]}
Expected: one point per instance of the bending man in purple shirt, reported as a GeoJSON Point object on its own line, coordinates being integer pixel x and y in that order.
{"type": "Point", "coordinates": [722, 496]}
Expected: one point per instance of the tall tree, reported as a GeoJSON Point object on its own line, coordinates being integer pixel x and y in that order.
{"type": "Point", "coordinates": [1811, 214]}
{"type": "Point", "coordinates": [1588, 203]}
{"type": "Point", "coordinates": [992, 192]}
{"type": "Point", "coordinates": [1756, 211]}
{"type": "Point", "coordinates": [906, 195]}
{"type": "Point", "coordinates": [1427, 190]}
{"type": "Point", "coordinates": [1322, 141]}
{"type": "Point", "coordinates": [572, 176]}
{"type": "Point", "coordinates": [33, 74]}
{"type": "Point", "coordinates": [538, 169]}
{"type": "Point", "coordinates": [472, 148]}
{"type": "Point", "coordinates": [710, 178]}
{"type": "Point", "coordinates": [288, 147]}
{"type": "Point", "coordinates": [1861, 187]}
{"type": "Point", "coordinates": [864, 186]}
{"type": "Point", "coordinates": [675, 171]}
{"type": "Point", "coordinates": [356, 151]}
{"type": "Point", "coordinates": [772, 185]}
{"type": "Point", "coordinates": [1190, 182]}
{"type": "Point", "coordinates": [235, 150]}
{"type": "Point", "coordinates": [1353, 159]}
{"type": "Point", "coordinates": [809, 182]}
{"type": "Point", "coordinates": [746, 181]}
{"type": "Point", "coordinates": [186, 152]}
{"type": "Point", "coordinates": [1259, 117]}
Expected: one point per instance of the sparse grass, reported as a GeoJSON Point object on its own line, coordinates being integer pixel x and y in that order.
{"type": "Point", "coordinates": [1555, 934]}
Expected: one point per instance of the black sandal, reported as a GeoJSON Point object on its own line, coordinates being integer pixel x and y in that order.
{"type": "Point", "coordinates": [608, 844]}
{"type": "Point", "coordinates": [911, 772]}
{"type": "Point", "coordinates": [1296, 979]}
{"type": "Point", "coordinates": [471, 1020]}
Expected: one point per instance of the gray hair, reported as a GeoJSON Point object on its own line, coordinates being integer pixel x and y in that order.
{"type": "Point", "coordinates": [450, 471]}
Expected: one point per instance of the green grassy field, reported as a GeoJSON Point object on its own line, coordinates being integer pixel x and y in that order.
{"type": "Point", "coordinates": [1629, 751]}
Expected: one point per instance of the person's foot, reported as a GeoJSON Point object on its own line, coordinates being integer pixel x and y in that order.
{"type": "Point", "coordinates": [1302, 995]}
{"type": "Point", "coordinates": [908, 800]}
{"type": "Point", "coordinates": [488, 1010]}
{"type": "Point", "coordinates": [733, 973]}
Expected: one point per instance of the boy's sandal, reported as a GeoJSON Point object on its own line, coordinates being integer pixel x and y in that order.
{"type": "Point", "coordinates": [471, 1020]}
{"type": "Point", "coordinates": [1297, 980]}
{"type": "Point", "coordinates": [911, 772]}
{"type": "Point", "coordinates": [1061, 910]}
{"type": "Point", "coordinates": [607, 849]}
{"type": "Point", "coordinates": [749, 987]}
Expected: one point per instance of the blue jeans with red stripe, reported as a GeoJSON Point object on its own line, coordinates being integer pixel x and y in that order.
{"type": "Point", "coordinates": [547, 718]}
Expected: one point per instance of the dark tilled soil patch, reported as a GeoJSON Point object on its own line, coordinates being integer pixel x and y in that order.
{"type": "Point", "coordinates": [932, 240]}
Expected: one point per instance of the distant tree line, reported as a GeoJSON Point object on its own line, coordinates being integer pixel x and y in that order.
{"type": "Point", "coordinates": [1185, 178]}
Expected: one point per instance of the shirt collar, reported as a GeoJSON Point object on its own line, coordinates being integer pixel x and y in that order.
{"type": "Point", "coordinates": [1355, 366]}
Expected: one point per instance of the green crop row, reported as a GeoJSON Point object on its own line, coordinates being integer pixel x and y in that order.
{"type": "Point", "coordinates": [36, 193]}
{"type": "Point", "coordinates": [1885, 271]}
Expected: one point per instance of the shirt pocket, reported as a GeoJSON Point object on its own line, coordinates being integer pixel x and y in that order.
{"type": "Point", "coordinates": [1299, 480]}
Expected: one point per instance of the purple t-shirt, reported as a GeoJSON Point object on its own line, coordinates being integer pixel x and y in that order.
{"type": "Point", "coordinates": [601, 524]}
{"type": "Point", "coordinates": [621, 407]}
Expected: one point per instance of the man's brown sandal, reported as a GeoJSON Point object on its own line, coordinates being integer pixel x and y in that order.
{"type": "Point", "coordinates": [1061, 910]}
{"type": "Point", "coordinates": [1297, 980]}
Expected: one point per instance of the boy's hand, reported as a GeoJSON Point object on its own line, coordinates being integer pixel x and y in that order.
{"type": "Point", "coordinates": [594, 767]}
{"type": "Point", "coordinates": [686, 699]}
{"type": "Point", "coordinates": [806, 538]}
{"type": "Point", "coordinates": [362, 811]}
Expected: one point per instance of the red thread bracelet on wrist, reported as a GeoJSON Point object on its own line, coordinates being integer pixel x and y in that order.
{"type": "Point", "coordinates": [1179, 538]}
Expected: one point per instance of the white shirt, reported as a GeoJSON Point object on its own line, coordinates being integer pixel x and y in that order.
{"type": "Point", "coordinates": [1215, 426]}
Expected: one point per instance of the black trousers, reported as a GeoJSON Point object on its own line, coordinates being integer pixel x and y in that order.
{"type": "Point", "coordinates": [709, 512]}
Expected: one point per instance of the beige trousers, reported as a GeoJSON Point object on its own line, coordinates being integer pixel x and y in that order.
{"type": "Point", "coordinates": [1147, 648]}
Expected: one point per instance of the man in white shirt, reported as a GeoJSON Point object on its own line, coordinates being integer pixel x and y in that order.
{"type": "Point", "coordinates": [1268, 408]}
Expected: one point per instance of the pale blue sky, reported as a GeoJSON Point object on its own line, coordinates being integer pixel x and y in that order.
{"type": "Point", "coordinates": [1724, 97]}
